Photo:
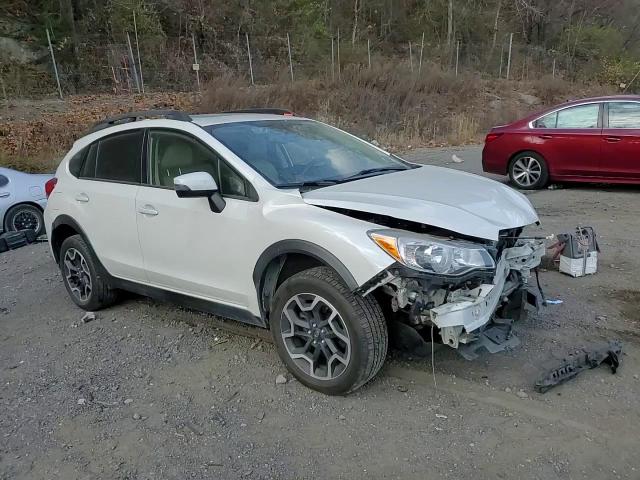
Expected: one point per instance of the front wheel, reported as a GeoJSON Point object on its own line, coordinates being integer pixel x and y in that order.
{"type": "Point", "coordinates": [330, 339]}
{"type": "Point", "coordinates": [528, 171]}
{"type": "Point", "coordinates": [24, 217]}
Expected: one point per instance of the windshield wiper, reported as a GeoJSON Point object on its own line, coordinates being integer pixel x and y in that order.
{"type": "Point", "coordinates": [309, 184]}
{"type": "Point", "coordinates": [369, 171]}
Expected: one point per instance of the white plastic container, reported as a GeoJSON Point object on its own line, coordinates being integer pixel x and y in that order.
{"type": "Point", "coordinates": [579, 267]}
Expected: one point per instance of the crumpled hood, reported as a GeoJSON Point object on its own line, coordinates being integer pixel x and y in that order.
{"type": "Point", "coordinates": [441, 197]}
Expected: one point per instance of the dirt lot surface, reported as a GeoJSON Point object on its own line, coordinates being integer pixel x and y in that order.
{"type": "Point", "coordinates": [151, 391]}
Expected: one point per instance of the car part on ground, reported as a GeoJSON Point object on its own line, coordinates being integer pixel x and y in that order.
{"type": "Point", "coordinates": [585, 359]}
{"type": "Point", "coordinates": [13, 240]}
{"type": "Point", "coordinates": [579, 255]}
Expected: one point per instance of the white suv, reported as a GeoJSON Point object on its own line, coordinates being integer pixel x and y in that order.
{"type": "Point", "coordinates": [287, 223]}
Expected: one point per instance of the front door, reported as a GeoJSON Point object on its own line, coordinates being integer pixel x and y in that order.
{"type": "Point", "coordinates": [187, 248]}
{"type": "Point", "coordinates": [621, 141]}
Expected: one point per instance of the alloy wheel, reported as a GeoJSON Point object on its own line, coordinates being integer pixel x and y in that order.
{"type": "Point", "coordinates": [77, 274]}
{"type": "Point", "coordinates": [527, 171]}
{"type": "Point", "coordinates": [315, 336]}
{"type": "Point", "coordinates": [26, 220]}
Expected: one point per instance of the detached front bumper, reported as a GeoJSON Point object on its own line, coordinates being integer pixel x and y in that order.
{"type": "Point", "coordinates": [469, 316]}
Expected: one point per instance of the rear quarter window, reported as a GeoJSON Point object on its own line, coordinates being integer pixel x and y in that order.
{"type": "Point", "coordinates": [75, 163]}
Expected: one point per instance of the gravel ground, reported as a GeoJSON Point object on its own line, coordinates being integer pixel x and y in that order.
{"type": "Point", "coordinates": [151, 391]}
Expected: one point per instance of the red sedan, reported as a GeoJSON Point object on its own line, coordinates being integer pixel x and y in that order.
{"type": "Point", "coordinates": [589, 140]}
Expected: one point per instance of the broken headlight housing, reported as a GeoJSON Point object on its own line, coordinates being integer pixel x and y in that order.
{"type": "Point", "coordinates": [432, 254]}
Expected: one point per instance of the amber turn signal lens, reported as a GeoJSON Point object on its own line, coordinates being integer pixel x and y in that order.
{"type": "Point", "coordinates": [388, 244]}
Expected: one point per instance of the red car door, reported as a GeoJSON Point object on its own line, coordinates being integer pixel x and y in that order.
{"type": "Point", "coordinates": [621, 140]}
{"type": "Point", "coordinates": [570, 139]}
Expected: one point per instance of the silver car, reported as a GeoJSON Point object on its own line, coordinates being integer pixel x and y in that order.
{"type": "Point", "coordinates": [22, 200]}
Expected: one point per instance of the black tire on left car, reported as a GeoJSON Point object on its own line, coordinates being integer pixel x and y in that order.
{"type": "Point", "coordinates": [331, 339]}
{"type": "Point", "coordinates": [529, 171]}
{"type": "Point", "coordinates": [87, 287]}
{"type": "Point", "coordinates": [24, 217]}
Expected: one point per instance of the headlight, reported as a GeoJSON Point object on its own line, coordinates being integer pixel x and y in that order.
{"type": "Point", "coordinates": [432, 254]}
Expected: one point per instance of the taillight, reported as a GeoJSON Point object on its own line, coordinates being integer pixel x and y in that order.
{"type": "Point", "coordinates": [491, 137]}
{"type": "Point", "coordinates": [49, 186]}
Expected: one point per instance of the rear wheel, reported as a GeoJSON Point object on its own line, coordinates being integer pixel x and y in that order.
{"type": "Point", "coordinates": [24, 217]}
{"type": "Point", "coordinates": [528, 171]}
{"type": "Point", "coordinates": [330, 339]}
{"type": "Point", "coordinates": [86, 287]}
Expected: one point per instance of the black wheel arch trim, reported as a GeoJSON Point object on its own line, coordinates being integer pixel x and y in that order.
{"type": "Point", "coordinates": [262, 273]}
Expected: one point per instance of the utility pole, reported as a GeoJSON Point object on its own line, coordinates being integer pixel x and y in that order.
{"type": "Point", "coordinates": [196, 65]}
{"type": "Point", "coordinates": [509, 59]}
{"type": "Point", "coordinates": [249, 54]}
{"type": "Point", "coordinates": [55, 67]}
{"type": "Point", "coordinates": [450, 23]}
{"type": "Point", "coordinates": [135, 30]}
{"type": "Point", "coordinates": [133, 63]}
{"type": "Point", "coordinates": [290, 62]}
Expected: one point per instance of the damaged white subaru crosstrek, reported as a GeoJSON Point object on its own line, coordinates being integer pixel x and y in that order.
{"type": "Point", "coordinates": [287, 223]}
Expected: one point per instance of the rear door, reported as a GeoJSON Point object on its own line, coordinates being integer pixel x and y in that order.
{"type": "Point", "coordinates": [621, 140]}
{"type": "Point", "coordinates": [103, 201]}
{"type": "Point", "coordinates": [570, 139]}
{"type": "Point", "coordinates": [6, 197]}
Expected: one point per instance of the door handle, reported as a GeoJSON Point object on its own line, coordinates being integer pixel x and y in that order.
{"type": "Point", "coordinates": [612, 139]}
{"type": "Point", "coordinates": [148, 210]}
{"type": "Point", "coordinates": [82, 198]}
{"type": "Point", "coordinates": [4, 194]}
{"type": "Point", "coordinates": [545, 136]}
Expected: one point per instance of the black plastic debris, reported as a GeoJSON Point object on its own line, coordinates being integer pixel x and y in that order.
{"type": "Point", "coordinates": [13, 240]}
{"type": "Point", "coordinates": [586, 359]}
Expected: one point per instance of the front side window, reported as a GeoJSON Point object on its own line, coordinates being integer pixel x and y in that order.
{"type": "Point", "coordinates": [624, 115]}
{"type": "Point", "coordinates": [172, 154]}
{"type": "Point", "coordinates": [294, 152]}
{"type": "Point", "coordinates": [115, 158]}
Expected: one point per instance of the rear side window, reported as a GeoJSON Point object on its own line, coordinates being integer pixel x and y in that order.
{"type": "Point", "coordinates": [75, 164]}
{"type": "Point", "coordinates": [624, 115]}
{"type": "Point", "coordinates": [115, 158]}
{"type": "Point", "coordinates": [4, 181]}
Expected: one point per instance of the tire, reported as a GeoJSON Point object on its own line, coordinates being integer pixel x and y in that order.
{"type": "Point", "coordinates": [25, 215]}
{"type": "Point", "coordinates": [528, 171]}
{"type": "Point", "coordinates": [358, 359]}
{"type": "Point", "coordinates": [99, 295]}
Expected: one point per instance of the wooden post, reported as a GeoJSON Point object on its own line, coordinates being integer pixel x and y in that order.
{"type": "Point", "coordinates": [509, 59]}
{"type": "Point", "coordinates": [333, 62]}
{"type": "Point", "coordinates": [457, 55]}
{"type": "Point", "coordinates": [410, 58]}
{"type": "Point", "coordinates": [369, 52]}
{"type": "Point", "coordinates": [135, 30]}
{"type": "Point", "coordinates": [196, 65]}
{"type": "Point", "coordinates": [290, 62]}
{"type": "Point", "coordinates": [249, 54]}
{"type": "Point", "coordinates": [553, 72]}
{"type": "Point", "coordinates": [133, 63]}
{"type": "Point", "coordinates": [501, 58]}
{"type": "Point", "coordinates": [421, 50]}
{"type": "Point", "coordinates": [55, 67]}
{"type": "Point", "coordinates": [338, 53]}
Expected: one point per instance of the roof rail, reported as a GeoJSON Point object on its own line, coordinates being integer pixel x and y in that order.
{"type": "Point", "coordinates": [270, 111]}
{"type": "Point", "coordinates": [137, 116]}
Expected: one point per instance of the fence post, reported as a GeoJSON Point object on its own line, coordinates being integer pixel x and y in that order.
{"type": "Point", "coordinates": [135, 30]}
{"type": "Point", "coordinates": [4, 94]}
{"type": "Point", "coordinates": [410, 58]}
{"type": "Point", "coordinates": [196, 65]}
{"type": "Point", "coordinates": [421, 50]}
{"type": "Point", "coordinates": [133, 63]}
{"type": "Point", "coordinates": [338, 53]}
{"type": "Point", "coordinates": [501, 58]}
{"type": "Point", "coordinates": [249, 54]}
{"type": "Point", "coordinates": [290, 62]}
{"type": "Point", "coordinates": [457, 55]}
{"type": "Point", "coordinates": [509, 59]}
{"type": "Point", "coordinates": [55, 67]}
{"type": "Point", "coordinates": [369, 52]}
{"type": "Point", "coordinates": [553, 72]}
{"type": "Point", "coordinates": [333, 66]}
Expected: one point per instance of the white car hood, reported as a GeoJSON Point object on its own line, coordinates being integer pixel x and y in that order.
{"type": "Point", "coordinates": [441, 197]}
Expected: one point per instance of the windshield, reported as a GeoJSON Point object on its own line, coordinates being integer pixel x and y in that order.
{"type": "Point", "coordinates": [292, 153]}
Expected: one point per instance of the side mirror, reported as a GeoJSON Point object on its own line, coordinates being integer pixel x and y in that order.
{"type": "Point", "coordinates": [200, 184]}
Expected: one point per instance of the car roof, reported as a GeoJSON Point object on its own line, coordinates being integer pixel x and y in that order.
{"type": "Point", "coordinates": [217, 118]}
{"type": "Point", "coordinates": [608, 98]}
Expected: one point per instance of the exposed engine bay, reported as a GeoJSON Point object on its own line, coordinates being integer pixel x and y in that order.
{"type": "Point", "coordinates": [468, 312]}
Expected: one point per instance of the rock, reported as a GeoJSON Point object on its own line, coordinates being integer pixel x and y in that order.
{"type": "Point", "coordinates": [281, 380]}
{"type": "Point", "coordinates": [522, 394]}
{"type": "Point", "coordinates": [456, 159]}
{"type": "Point", "coordinates": [529, 99]}
{"type": "Point", "coordinates": [375, 142]}
{"type": "Point", "coordinates": [508, 390]}
{"type": "Point", "coordinates": [137, 416]}
{"type": "Point", "coordinates": [601, 318]}
{"type": "Point", "coordinates": [636, 376]}
{"type": "Point", "coordinates": [127, 401]}
{"type": "Point", "coordinates": [260, 416]}
{"type": "Point", "coordinates": [82, 401]}
{"type": "Point", "coordinates": [88, 317]}
{"type": "Point", "coordinates": [402, 388]}
{"type": "Point", "coordinates": [342, 417]}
